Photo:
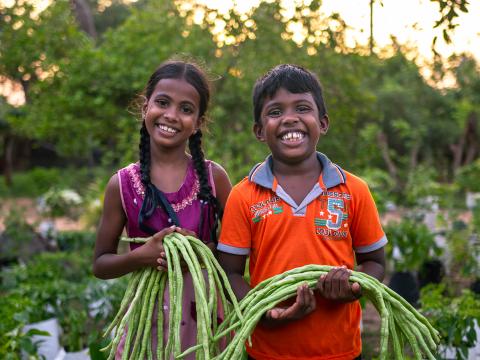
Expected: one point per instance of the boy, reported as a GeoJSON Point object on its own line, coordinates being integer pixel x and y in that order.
{"type": "Point", "coordinates": [299, 208]}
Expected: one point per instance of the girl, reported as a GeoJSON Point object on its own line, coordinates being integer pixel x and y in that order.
{"type": "Point", "coordinates": [168, 189]}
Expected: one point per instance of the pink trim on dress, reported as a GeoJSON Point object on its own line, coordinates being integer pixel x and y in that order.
{"type": "Point", "coordinates": [121, 192]}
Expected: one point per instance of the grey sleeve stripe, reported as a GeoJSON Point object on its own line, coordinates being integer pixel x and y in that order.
{"type": "Point", "coordinates": [232, 249]}
{"type": "Point", "coordinates": [375, 246]}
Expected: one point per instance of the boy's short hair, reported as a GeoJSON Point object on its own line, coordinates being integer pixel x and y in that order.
{"type": "Point", "coordinates": [293, 78]}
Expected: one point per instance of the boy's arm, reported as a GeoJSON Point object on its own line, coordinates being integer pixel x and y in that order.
{"type": "Point", "coordinates": [372, 263]}
{"type": "Point", "coordinates": [234, 266]}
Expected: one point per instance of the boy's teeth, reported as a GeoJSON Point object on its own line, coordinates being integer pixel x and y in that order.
{"type": "Point", "coordinates": [167, 129]}
{"type": "Point", "coordinates": [292, 136]}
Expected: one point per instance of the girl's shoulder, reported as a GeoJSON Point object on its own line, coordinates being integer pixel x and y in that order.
{"type": "Point", "coordinates": [221, 181]}
{"type": "Point", "coordinates": [216, 170]}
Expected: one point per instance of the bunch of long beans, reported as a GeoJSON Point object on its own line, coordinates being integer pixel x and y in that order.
{"type": "Point", "coordinates": [401, 323]}
{"type": "Point", "coordinates": [146, 289]}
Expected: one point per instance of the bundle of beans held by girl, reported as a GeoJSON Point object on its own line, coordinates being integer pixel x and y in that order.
{"type": "Point", "coordinates": [146, 288]}
{"type": "Point", "coordinates": [400, 322]}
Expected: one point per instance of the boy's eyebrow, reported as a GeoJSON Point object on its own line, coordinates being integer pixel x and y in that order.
{"type": "Point", "coordinates": [277, 103]}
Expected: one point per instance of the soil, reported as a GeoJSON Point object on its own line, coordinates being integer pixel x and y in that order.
{"type": "Point", "coordinates": [28, 207]}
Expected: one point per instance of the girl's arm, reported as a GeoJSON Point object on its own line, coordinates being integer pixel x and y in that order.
{"type": "Point", "coordinates": [107, 263]}
{"type": "Point", "coordinates": [223, 186]}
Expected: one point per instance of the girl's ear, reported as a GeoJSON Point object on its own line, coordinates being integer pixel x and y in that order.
{"type": "Point", "coordinates": [258, 131]}
{"type": "Point", "coordinates": [324, 123]}
{"type": "Point", "coordinates": [144, 107]}
{"type": "Point", "coordinates": [200, 121]}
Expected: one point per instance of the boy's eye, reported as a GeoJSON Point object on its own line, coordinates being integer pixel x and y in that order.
{"type": "Point", "coordinates": [274, 112]}
{"type": "Point", "coordinates": [303, 108]}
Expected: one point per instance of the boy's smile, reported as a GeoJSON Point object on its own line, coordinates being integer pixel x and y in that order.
{"type": "Point", "coordinates": [290, 125]}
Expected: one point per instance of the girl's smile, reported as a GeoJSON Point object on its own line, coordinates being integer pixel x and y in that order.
{"type": "Point", "coordinates": [171, 114]}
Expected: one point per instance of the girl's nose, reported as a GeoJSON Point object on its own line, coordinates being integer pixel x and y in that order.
{"type": "Point", "coordinates": [170, 113]}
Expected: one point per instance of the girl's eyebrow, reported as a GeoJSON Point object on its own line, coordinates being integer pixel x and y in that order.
{"type": "Point", "coordinates": [165, 95]}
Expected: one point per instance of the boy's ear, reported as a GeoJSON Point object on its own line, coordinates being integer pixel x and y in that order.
{"type": "Point", "coordinates": [324, 124]}
{"type": "Point", "coordinates": [258, 131]}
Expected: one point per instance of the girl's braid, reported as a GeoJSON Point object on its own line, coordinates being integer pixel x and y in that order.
{"type": "Point", "coordinates": [144, 153]}
{"type": "Point", "coordinates": [205, 195]}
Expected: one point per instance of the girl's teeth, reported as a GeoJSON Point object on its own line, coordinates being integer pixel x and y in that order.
{"type": "Point", "coordinates": [168, 129]}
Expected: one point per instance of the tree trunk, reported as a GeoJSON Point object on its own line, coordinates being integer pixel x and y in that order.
{"type": "Point", "coordinates": [472, 139]}
{"type": "Point", "coordinates": [8, 145]}
{"type": "Point", "coordinates": [392, 168]}
{"type": "Point", "coordinates": [84, 17]}
{"type": "Point", "coordinates": [465, 150]}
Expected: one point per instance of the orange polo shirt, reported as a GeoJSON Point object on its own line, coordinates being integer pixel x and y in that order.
{"type": "Point", "coordinates": [336, 219]}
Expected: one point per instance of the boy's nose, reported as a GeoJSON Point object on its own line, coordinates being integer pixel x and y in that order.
{"type": "Point", "coordinates": [291, 118]}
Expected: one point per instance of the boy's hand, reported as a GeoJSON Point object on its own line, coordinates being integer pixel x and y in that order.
{"type": "Point", "coordinates": [335, 286]}
{"type": "Point", "coordinates": [303, 305]}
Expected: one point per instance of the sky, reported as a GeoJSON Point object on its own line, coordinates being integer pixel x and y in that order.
{"type": "Point", "coordinates": [410, 21]}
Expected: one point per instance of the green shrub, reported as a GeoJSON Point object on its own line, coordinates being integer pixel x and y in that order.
{"type": "Point", "coordinates": [411, 242]}
{"type": "Point", "coordinates": [454, 316]}
{"type": "Point", "coordinates": [61, 285]}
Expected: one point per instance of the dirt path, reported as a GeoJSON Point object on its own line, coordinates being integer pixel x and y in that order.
{"type": "Point", "coordinates": [28, 208]}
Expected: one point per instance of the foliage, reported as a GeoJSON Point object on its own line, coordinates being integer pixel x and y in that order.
{"type": "Point", "coordinates": [454, 316]}
{"type": "Point", "coordinates": [17, 236]}
{"type": "Point", "coordinates": [61, 285]}
{"type": "Point", "coordinates": [449, 11]}
{"type": "Point", "coordinates": [381, 109]}
{"type": "Point", "coordinates": [410, 244]}
{"type": "Point", "coordinates": [463, 251]}
{"type": "Point", "coordinates": [38, 180]}
{"type": "Point", "coordinates": [381, 185]}
{"type": "Point", "coordinates": [467, 177]}
{"type": "Point", "coordinates": [58, 202]}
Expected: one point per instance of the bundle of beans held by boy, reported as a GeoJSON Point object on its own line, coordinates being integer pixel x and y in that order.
{"type": "Point", "coordinates": [401, 324]}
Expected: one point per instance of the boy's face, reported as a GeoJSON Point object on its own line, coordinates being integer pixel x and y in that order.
{"type": "Point", "coordinates": [290, 125]}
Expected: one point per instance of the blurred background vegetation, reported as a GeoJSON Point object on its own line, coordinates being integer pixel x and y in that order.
{"type": "Point", "coordinates": [80, 66]}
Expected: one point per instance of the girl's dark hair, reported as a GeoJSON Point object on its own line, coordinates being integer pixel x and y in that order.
{"type": "Point", "coordinates": [293, 78]}
{"type": "Point", "coordinates": [209, 205]}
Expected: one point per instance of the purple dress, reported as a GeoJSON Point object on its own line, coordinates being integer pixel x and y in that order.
{"type": "Point", "coordinates": [186, 205]}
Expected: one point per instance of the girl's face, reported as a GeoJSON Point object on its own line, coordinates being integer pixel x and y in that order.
{"type": "Point", "coordinates": [290, 125]}
{"type": "Point", "coordinates": [171, 113]}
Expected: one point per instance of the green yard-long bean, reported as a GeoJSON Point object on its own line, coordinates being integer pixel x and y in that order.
{"type": "Point", "coordinates": [401, 324]}
{"type": "Point", "coordinates": [146, 290]}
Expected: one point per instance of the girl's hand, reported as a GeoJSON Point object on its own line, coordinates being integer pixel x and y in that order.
{"type": "Point", "coordinates": [152, 251]}
{"type": "Point", "coordinates": [304, 304]}
{"type": "Point", "coordinates": [335, 285]}
{"type": "Point", "coordinates": [162, 259]}
{"type": "Point", "coordinates": [185, 232]}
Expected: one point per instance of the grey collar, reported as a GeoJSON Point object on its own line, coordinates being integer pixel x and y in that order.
{"type": "Point", "coordinates": [332, 174]}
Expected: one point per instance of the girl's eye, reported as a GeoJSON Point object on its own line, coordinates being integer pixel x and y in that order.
{"type": "Point", "coordinates": [162, 102]}
{"type": "Point", "coordinates": [187, 110]}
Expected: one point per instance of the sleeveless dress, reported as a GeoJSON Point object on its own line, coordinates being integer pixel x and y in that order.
{"type": "Point", "coordinates": [187, 207]}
